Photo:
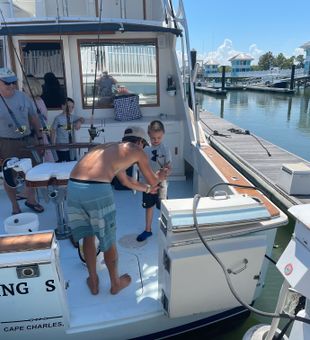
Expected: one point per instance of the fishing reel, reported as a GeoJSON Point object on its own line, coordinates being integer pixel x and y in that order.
{"type": "Point", "coordinates": [20, 166]}
{"type": "Point", "coordinates": [94, 132]}
{"type": "Point", "coordinates": [21, 129]}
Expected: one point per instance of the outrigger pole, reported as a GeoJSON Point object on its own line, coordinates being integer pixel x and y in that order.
{"type": "Point", "coordinates": [92, 129]}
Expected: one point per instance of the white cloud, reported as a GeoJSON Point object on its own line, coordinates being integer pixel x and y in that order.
{"type": "Point", "coordinates": [299, 51]}
{"type": "Point", "coordinates": [226, 50]}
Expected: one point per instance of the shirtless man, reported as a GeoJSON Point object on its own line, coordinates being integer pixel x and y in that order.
{"type": "Point", "coordinates": [91, 208]}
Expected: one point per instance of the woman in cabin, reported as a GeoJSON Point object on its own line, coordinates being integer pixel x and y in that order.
{"type": "Point", "coordinates": [33, 88]}
{"type": "Point", "coordinates": [53, 95]}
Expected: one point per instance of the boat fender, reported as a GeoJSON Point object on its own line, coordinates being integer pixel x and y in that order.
{"type": "Point", "coordinates": [259, 332]}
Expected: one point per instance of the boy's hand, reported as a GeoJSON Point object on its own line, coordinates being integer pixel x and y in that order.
{"type": "Point", "coordinates": [162, 174]}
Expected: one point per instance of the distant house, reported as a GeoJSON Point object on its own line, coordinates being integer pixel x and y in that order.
{"type": "Point", "coordinates": [240, 63]}
{"type": "Point", "coordinates": [211, 66]}
{"type": "Point", "coordinates": [306, 47]}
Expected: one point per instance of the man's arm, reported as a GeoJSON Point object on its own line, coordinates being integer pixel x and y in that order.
{"type": "Point", "coordinates": [133, 184]}
{"type": "Point", "coordinates": [35, 123]}
{"type": "Point", "coordinates": [152, 178]}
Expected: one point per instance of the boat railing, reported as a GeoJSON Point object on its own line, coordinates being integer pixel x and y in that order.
{"type": "Point", "coordinates": [158, 12]}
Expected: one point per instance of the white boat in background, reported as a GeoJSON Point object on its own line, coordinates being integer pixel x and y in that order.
{"type": "Point", "coordinates": [177, 286]}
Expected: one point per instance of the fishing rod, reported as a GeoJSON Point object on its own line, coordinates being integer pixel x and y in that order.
{"type": "Point", "coordinates": [69, 124]}
{"type": "Point", "coordinates": [39, 113]}
{"type": "Point", "coordinates": [19, 128]}
{"type": "Point", "coordinates": [93, 130]}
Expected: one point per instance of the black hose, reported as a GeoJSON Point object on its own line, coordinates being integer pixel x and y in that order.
{"type": "Point", "coordinates": [235, 294]}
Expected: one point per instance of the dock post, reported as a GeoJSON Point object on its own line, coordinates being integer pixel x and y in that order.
{"type": "Point", "coordinates": [292, 77]}
{"type": "Point", "coordinates": [223, 77]}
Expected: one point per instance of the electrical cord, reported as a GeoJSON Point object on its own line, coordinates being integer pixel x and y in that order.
{"type": "Point", "coordinates": [236, 131]}
{"type": "Point", "coordinates": [247, 132]}
{"type": "Point", "coordinates": [235, 294]}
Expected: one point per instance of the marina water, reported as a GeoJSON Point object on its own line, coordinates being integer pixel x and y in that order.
{"type": "Point", "coordinates": [283, 120]}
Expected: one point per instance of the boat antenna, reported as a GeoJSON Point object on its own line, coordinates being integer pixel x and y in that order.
{"type": "Point", "coordinates": [92, 130]}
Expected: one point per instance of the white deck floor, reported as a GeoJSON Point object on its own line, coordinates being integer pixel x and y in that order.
{"type": "Point", "coordinates": [138, 259]}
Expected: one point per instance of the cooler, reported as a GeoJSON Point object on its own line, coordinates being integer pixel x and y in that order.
{"type": "Point", "coordinates": [295, 179]}
{"type": "Point", "coordinates": [186, 285]}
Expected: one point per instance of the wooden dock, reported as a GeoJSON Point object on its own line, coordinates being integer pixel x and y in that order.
{"type": "Point", "coordinates": [259, 160]}
{"type": "Point", "coordinates": [213, 90]}
{"type": "Point", "coordinates": [269, 89]}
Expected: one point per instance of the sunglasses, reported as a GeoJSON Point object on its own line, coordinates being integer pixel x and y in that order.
{"type": "Point", "coordinates": [7, 83]}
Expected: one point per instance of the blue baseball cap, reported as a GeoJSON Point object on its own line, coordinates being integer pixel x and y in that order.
{"type": "Point", "coordinates": [7, 75]}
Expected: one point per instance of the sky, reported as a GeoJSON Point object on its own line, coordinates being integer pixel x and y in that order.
{"type": "Point", "coordinates": [220, 29]}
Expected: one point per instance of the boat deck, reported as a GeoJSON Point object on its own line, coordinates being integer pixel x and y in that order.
{"type": "Point", "coordinates": [251, 159]}
{"type": "Point", "coordinates": [139, 259]}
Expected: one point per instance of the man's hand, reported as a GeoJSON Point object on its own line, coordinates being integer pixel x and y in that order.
{"type": "Point", "coordinates": [154, 189]}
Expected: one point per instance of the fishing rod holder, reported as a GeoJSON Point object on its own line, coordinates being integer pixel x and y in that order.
{"type": "Point", "coordinates": [57, 195]}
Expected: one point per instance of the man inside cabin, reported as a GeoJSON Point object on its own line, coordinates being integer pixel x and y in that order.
{"type": "Point", "coordinates": [90, 201]}
{"type": "Point", "coordinates": [106, 88]}
{"type": "Point", "coordinates": [18, 118]}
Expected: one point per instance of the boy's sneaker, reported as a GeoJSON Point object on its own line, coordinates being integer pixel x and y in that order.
{"type": "Point", "coordinates": [143, 236]}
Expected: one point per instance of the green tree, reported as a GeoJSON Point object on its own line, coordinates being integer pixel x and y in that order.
{"type": "Point", "coordinates": [266, 61]}
{"type": "Point", "coordinates": [300, 60]}
{"type": "Point", "coordinates": [280, 61]}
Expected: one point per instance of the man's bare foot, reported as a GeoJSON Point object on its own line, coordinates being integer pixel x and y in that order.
{"type": "Point", "coordinates": [124, 281]}
{"type": "Point", "coordinates": [93, 285]}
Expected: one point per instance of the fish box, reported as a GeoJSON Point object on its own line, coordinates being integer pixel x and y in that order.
{"type": "Point", "coordinates": [190, 281]}
{"type": "Point", "coordinates": [295, 179]}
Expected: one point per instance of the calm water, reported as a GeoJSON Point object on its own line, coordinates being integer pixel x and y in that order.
{"type": "Point", "coordinates": [283, 120]}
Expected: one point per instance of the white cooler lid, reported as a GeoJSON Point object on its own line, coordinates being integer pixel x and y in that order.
{"type": "Point", "coordinates": [300, 168]}
{"type": "Point", "coordinates": [234, 209]}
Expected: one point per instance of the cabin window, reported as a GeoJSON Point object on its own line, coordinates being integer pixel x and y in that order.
{"type": "Point", "coordinates": [44, 60]}
{"type": "Point", "coordinates": [122, 67]}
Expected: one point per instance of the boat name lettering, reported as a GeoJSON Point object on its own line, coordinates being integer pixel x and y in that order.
{"type": "Point", "coordinates": [32, 327]}
{"type": "Point", "coordinates": [22, 288]}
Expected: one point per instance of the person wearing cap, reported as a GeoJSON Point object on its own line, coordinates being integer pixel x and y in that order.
{"type": "Point", "coordinates": [90, 201]}
{"type": "Point", "coordinates": [17, 118]}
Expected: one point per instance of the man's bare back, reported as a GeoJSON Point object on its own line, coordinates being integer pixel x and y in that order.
{"type": "Point", "coordinates": [105, 161]}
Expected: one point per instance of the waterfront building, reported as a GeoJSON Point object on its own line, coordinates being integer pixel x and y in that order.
{"type": "Point", "coordinates": [240, 63]}
{"type": "Point", "coordinates": [306, 47]}
{"type": "Point", "coordinates": [211, 66]}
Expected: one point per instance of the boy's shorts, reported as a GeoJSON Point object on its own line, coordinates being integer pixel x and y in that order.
{"type": "Point", "coordinates": [149, 200]}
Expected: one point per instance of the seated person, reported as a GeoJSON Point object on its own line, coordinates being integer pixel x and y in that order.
{"type": "Point", "coordinates": [106, 88]}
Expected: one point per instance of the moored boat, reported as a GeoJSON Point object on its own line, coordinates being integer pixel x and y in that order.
{"type": "Point", "coordinates": [176, 283]}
